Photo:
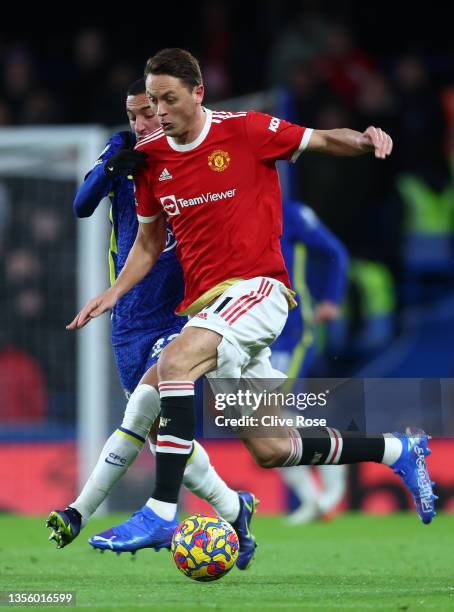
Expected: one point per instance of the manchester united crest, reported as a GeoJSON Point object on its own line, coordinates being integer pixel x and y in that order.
{"type": "Point", "coordinates": [219, 160]}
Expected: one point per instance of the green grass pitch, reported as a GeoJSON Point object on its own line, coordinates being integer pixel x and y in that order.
{"type": "Point", "coordinates": [356, 562]}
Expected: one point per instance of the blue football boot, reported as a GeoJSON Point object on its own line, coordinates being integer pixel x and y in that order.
{"type": "Point", "coordinates": [144, 529]}
{"type": "Point", "coordinates": [411, 467]}
{"type": "Point", "coordinates": [65, 525]}
{"type": "Point", "coordinates": [248, 502]}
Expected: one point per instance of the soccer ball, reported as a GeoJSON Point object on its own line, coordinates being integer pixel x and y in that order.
{"type": "Point", "coordinates": [204, 547]}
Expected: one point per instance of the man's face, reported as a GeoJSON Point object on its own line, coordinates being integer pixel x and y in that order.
{"type": "Point", "coordinates": [173, 102]}
{"type": "Point", "coordinates": [142, 118]}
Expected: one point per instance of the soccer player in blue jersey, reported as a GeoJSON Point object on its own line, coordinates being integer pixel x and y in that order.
{"type": "Point", "coordinates": [317, 262]}
{"type": "Point", "coordinates": [143, 323]}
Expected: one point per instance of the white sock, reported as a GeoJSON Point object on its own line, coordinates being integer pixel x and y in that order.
{"type": "Point", "coordinates": [299, 478]}
{"type": "Point", "coordinates": [165, 510]}
{"type": "Point", "coordinates": [201, 478]}
{"type": "Point", "coordinates": [334, 480]}
{"type": "Point", "coordinates": [142, 410]}
{"type": "Point", "coordinates": [120, 450]}
{"type": "Point", "coordinates": [118, 454]}
{"type": "Point", "coordinates": [393, 449]}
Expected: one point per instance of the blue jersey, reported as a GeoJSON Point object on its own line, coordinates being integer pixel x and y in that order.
{"type": "Point", "coordinates": [317, 263]}
{"type": "Point", "coordinates": [144, 319]}
{"type": "Point", "coordinates": [149, 306]}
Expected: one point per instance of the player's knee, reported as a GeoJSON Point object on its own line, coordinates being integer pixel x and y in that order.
{"type": "Point", "coordinates": [190, 355]}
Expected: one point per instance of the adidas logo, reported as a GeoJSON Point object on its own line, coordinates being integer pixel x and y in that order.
{"type": "Point", "coordinates": [165, 175]}
{"type": "Point", "coordinates": [202, 315]}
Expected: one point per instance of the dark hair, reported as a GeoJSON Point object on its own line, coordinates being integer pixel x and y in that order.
{"type": "Point", "coordinates": [136, 88]}
{"type": "Point", "coordinates": [178, 63]}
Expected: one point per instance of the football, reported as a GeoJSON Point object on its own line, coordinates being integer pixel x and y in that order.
{"type": "Point", "coordinates": [205, 548]}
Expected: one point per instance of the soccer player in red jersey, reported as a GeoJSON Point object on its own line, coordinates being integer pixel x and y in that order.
{"type": "Point", "coordinates": [213, 175]}
{"type": "Point", "coordinates": [145, 323]}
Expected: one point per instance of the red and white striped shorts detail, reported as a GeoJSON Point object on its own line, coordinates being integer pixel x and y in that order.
{"type": "Point", "coordinates": [336, 446]}
{"type": "Point", "coordinates": [245, 302]}
{"type": "Point", "coordinates": [174, 445]}
{"type": "Point", "coordinates": [176, 388]}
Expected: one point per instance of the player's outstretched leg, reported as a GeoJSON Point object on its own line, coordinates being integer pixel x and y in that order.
{"type": "Point", "coordinates": [153, 525]}
{"type": "Point", "coordinates": [118, 453]}
{"type": "Point", "coordinates": [65, 525]}
{"type": "Point", "coordinates": [405, 453]}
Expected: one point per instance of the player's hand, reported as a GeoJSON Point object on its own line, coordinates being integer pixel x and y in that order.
{"type": "Point", "coordinates": [375, 139]}
{"type": "Point", "coordinates": [326, 311]}
{"type": "Point", "coordinates": [124, 162]}
{"type": "Point", "coordinates": [93, 308]}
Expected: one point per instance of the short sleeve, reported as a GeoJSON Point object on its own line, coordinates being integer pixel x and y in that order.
{"type": "Point", "coordinates": [147, 207]}
{"type": "Point", "coordinates": [273, 138]}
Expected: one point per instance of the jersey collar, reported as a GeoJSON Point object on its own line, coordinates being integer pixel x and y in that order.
{"type": "Point", "coordinates": [200, 138]}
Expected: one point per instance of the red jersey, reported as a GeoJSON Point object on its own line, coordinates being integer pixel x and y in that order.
{"type": "Point", "coordinates": [222, 197]}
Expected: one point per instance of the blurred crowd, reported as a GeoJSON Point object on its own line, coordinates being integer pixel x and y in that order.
{"type": "Point", "coordinates": [37, 299]}
{"type": "Point", "coordinates": [78, 73]}
{"type": "Point", "coordinates": [334, 82]}
{"type": "Point", "coordinates": [335, 66]}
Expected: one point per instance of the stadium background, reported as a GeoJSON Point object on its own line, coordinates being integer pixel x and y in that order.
{"type": "Point", "coordinates": [353, 64]}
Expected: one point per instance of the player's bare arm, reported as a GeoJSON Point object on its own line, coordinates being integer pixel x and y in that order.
{"type": "Point", "coordinates": [348, 142]}
{"type": "Point", "coordinates": [148, 246]}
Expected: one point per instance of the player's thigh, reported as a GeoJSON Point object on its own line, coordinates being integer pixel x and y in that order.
{"type": "Point", "coordinates": [190, 355]}
{"type": "Point", "coordinates": [248, 316]}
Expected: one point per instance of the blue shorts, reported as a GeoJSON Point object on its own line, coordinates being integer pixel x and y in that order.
{"type": "Point", "coordinates": [137, 354]}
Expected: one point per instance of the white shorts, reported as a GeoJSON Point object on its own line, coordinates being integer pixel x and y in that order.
{"type": "Point", "coordinates": [249, 316]}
